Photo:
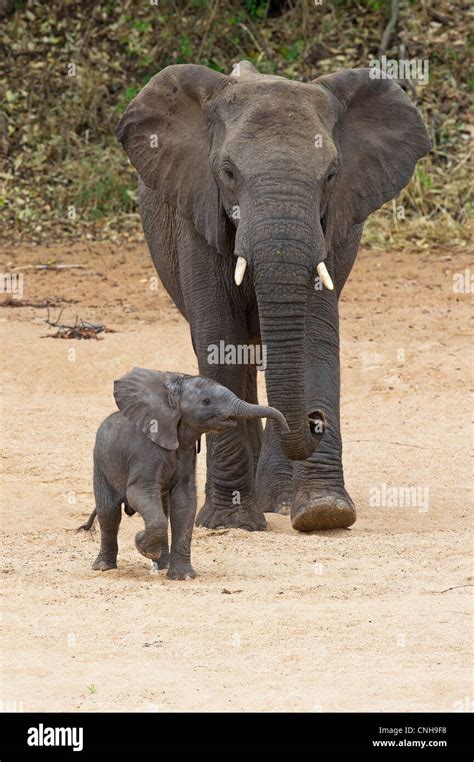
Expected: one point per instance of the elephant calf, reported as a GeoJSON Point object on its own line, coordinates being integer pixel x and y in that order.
{"type": "Point", "coordinates": [145, 457]}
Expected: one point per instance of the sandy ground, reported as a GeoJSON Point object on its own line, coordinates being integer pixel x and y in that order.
{"type": "Point", "coordinates": [371, 618]}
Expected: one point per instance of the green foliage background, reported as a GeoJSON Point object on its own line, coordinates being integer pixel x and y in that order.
{"type": "Point", "coordinates": [57, 131]}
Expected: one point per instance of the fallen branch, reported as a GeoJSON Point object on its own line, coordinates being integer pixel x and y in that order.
{"type": "Point", "coordinates": [38, 305]}
{"type": "Point", "coordinates": [50, 267]}
{"type": "Point", "coordinates": [81, 329]}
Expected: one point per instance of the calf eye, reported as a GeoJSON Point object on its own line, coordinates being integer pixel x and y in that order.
{"type": "Point", "coordinates": [206, 401]}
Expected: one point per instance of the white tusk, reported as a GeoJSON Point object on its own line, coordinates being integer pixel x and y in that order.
{"type": "Point", "coordinates": [240, 267]}
{"type": "Point", "coordinates": [325, 277]}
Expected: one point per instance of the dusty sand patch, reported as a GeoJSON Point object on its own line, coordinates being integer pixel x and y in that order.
{"type": "Point", "coordinates": [349, 620]}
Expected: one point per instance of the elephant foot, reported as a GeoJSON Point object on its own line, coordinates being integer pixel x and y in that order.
{"type": "Point", "coordinates": [181, 571]}
{"type": "Point", "coordinates": [161, 563]}
{"type": "Point", "coordinates": [104, 564]}
{"type": "Point", "coordinates": [274, 500]}
{"type": "Point", "coordinates": [322, 510]}
{"type": "Point", "coordinates": [283, 507]}
{"type": "Point", "coordinates": [237, 517]}
{"type": "Point", "coordinates": [269, 503]}
{"type": "Point", "coordinates": [277, 504]}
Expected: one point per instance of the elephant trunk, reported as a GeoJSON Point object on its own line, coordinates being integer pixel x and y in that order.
{"type": "Point", "coordinates": [282, 304]}
{"type": "Point", "coordinates": [241, 409]}
{"type": "Point", "coordinates": [283, 275]}
{"type": "Point", "coordinates": [283, 240]}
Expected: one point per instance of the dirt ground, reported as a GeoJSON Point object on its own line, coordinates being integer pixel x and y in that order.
{"type": "Point", "coordinates": [366, 619]}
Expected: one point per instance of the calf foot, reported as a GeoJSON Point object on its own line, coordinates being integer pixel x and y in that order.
{"type": "Point", "coordinates": [322, 508]}
{"type": "Point", "coordinates": [104, 563]}
{"type": "Point", "coordinates": [245, 516]}
{"type": "Point", "coordinates": [181, 570]}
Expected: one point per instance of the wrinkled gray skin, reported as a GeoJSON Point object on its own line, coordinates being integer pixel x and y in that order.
{"type": "Point", "coordinates": [145, 457]}
{"type": "Point", "coordinates": [305, 163]}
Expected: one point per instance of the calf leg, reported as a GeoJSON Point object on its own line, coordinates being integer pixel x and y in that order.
{"type": "Point", "coordinates": [147, 502]}
{"type": "Point", "coordinates": [164, 559]}
{"type": "Point", "coordinates": [182, 515]}
{"type": "Point", "coordinates": [109, 515]}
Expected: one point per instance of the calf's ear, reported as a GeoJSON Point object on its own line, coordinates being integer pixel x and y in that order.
{"type": "Point", "coordinates": [150, 399]}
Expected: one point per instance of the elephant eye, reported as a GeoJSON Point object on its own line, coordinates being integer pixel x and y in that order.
{"type": "Point", "coordinates": [228, 173]}
{"type": "Point", "coordinates": [331, 173]}
{"type": "Point", "coordinates": [206, 401]}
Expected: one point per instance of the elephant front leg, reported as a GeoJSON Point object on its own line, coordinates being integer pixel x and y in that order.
{"type": "Point", "coordinates": [217, 313]}
{"type": "Point", "coordinates": [230, 497]}
{"type": "Point", "coordinates": [274, 481]}
{"type": "Point", "coordinates": [320, 499]}
{"type": "Point", "coordinates": [230, 484]}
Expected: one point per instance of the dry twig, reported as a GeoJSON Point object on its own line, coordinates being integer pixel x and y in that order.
{"type": "Point", "coordinates": [81, 329]}
{"type": "Point", "coordinates": [389, 29]}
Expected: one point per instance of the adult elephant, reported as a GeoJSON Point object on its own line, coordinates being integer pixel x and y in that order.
{"type": "Point", "coordinates": [272, 179]}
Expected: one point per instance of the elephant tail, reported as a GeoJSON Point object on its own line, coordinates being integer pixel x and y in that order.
{"type": "Point", "coordinates": [88, 525]}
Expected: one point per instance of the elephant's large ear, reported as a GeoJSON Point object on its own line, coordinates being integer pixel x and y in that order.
{"type": "Point", "coordinates": [380, 136]}
{"type": "Point", "coordinates": [150, 400]}
{"type": "Point", "coordinates": [165, 134]}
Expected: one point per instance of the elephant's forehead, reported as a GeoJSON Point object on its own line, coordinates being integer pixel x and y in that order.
{"type": "Point", "coordinates": [286, 103]}
{"type": "Point", "coordinates": [200, 384]}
